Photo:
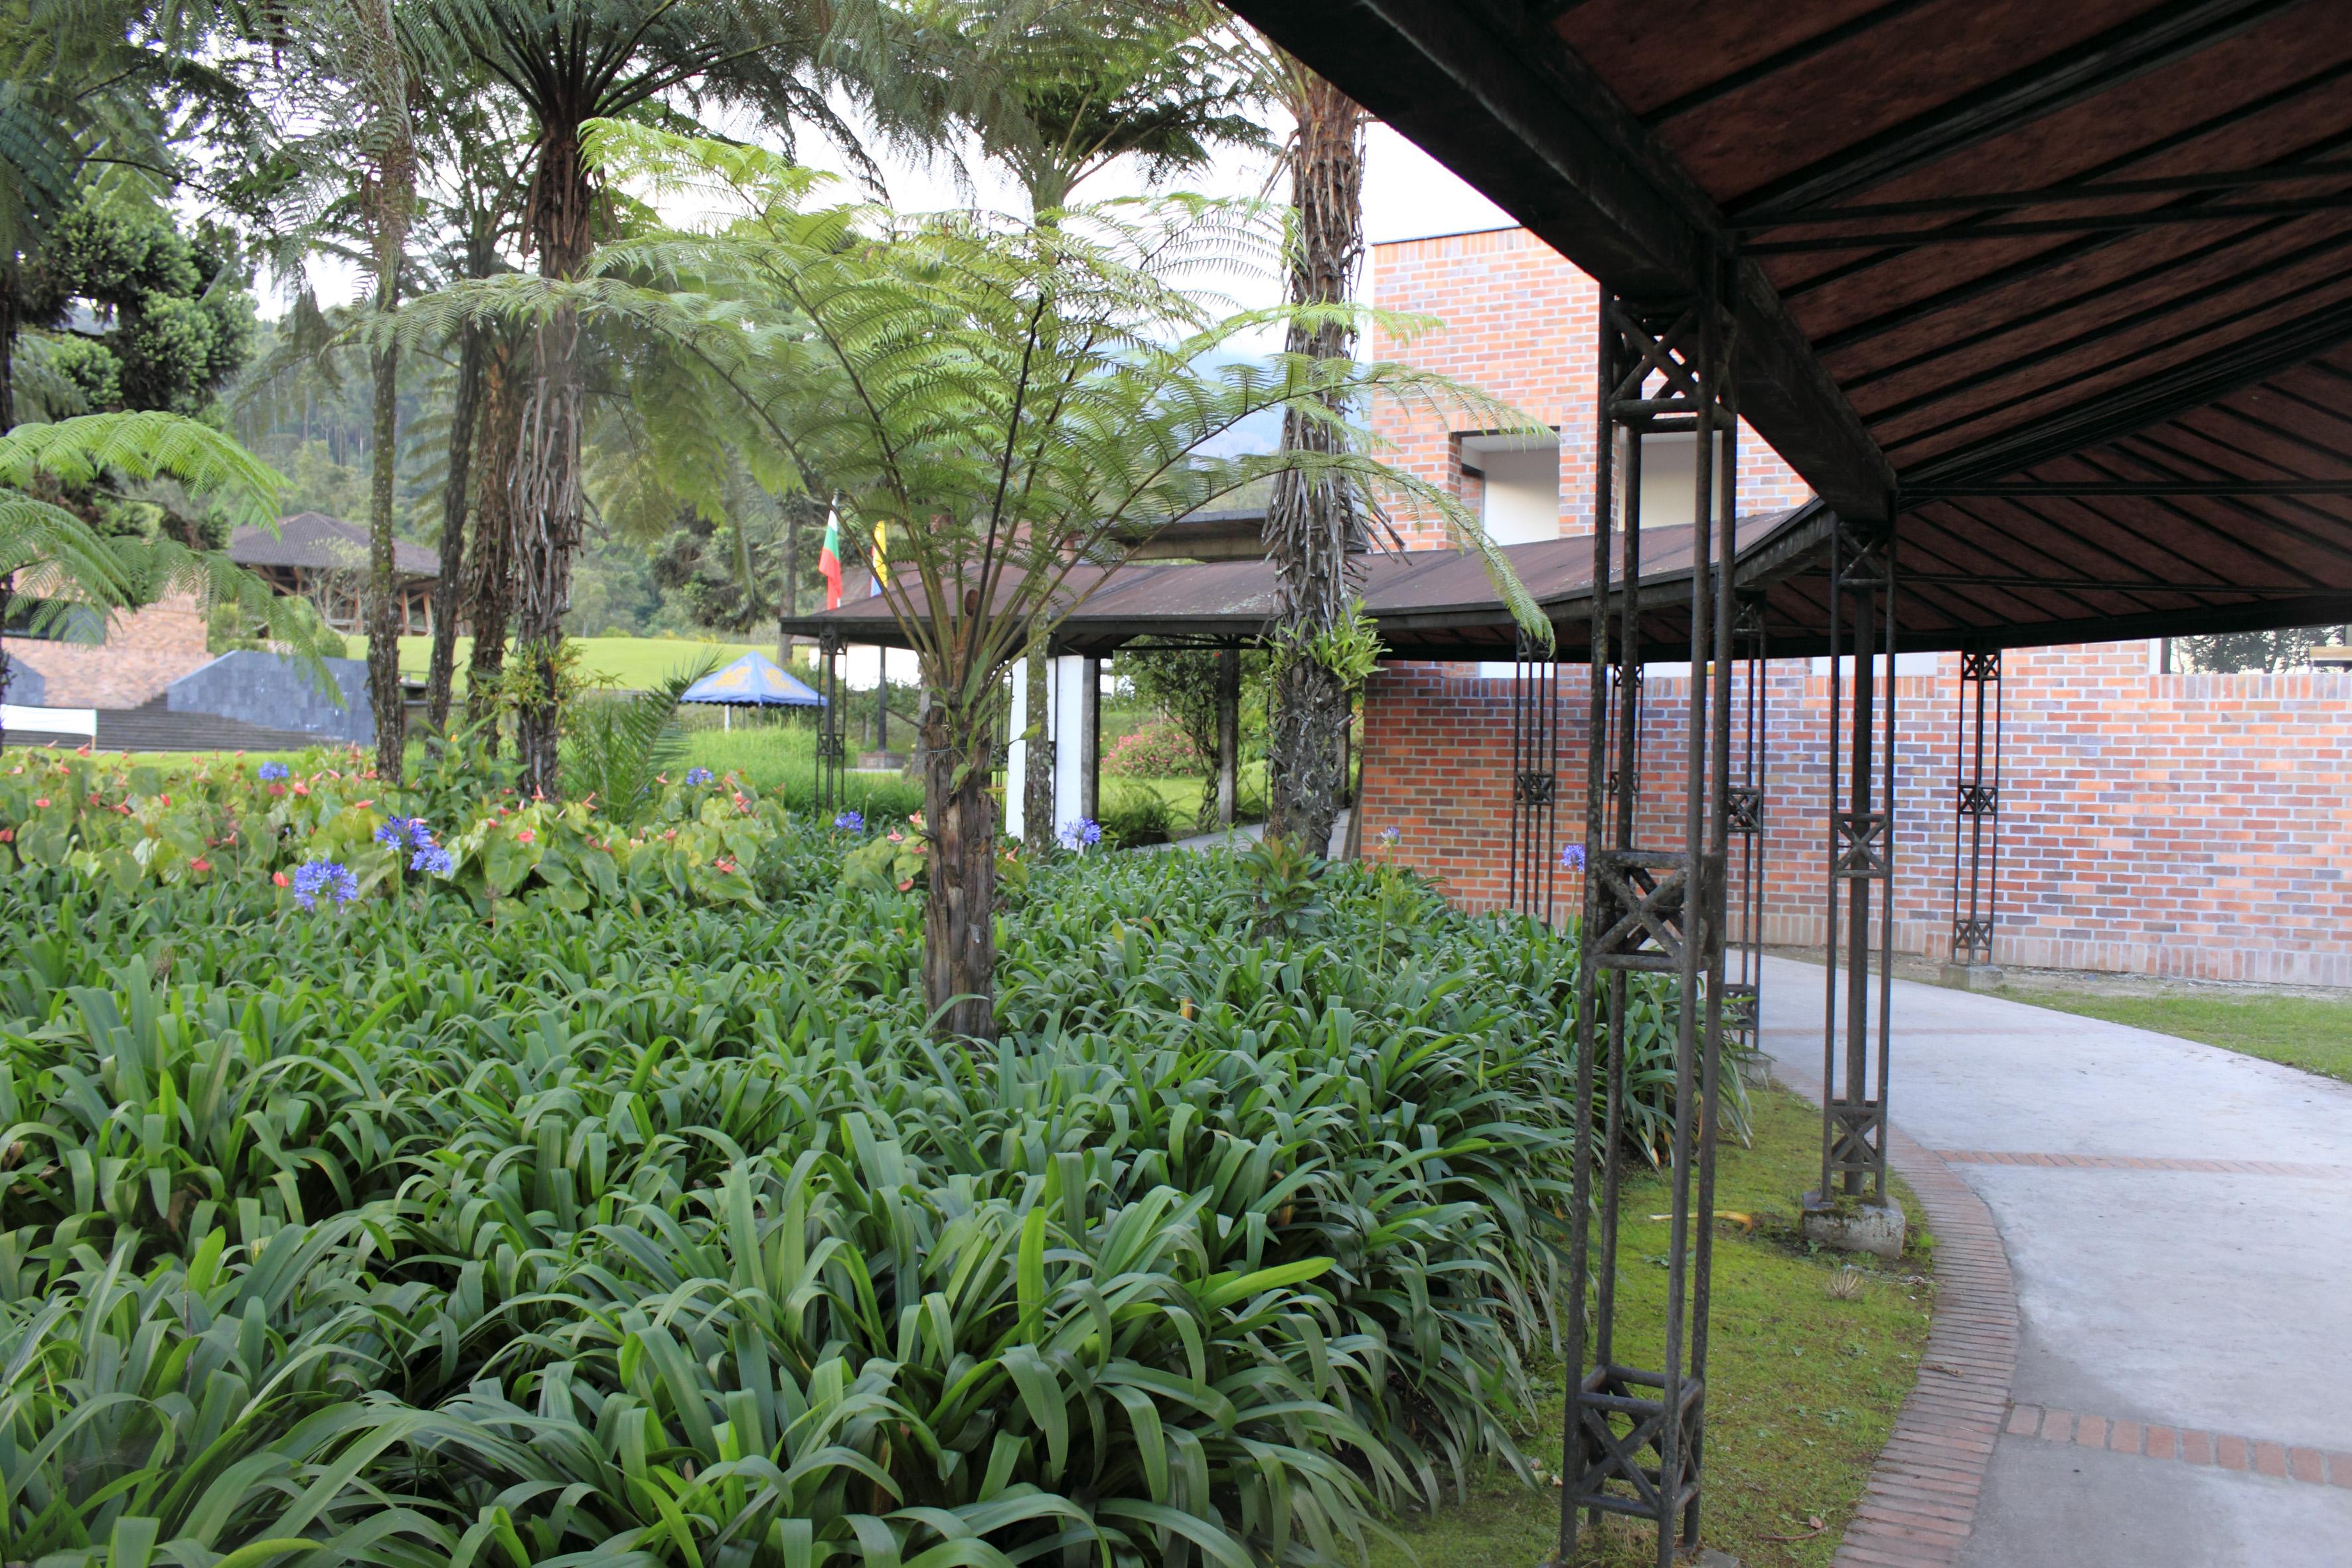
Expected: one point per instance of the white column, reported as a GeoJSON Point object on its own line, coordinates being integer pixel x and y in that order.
{"type": "Point", "coordinates": [1071, 742]}
{"type": "Point", "coordinates": [1016, 761]}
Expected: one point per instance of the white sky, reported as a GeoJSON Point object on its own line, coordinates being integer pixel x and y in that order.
{"type": "Point", "coordinates": [1407, 196]}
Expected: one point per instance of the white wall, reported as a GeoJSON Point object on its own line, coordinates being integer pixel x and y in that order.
{"type": "Point", "coordinates": [1521, 503]}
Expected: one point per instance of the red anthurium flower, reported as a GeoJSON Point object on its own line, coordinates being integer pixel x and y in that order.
{"type": "Point", "coordinates": [280, 878]}
{"type": "Point", "coordinates": [200, 864]}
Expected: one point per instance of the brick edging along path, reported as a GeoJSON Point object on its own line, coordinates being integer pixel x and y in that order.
{"type": "Point", "coordinates": [1921, 1502]}
{"type": "Point", "coordinates": [2188, 1445]}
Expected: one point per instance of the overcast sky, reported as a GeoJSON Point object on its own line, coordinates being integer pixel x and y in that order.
{"type": "Point", "coordinates": [1407, 196]}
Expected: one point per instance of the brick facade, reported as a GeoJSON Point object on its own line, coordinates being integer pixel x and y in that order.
{"type": "Point", "coordinates": [2196, 826]}
{"type": "Point", "coordinates": [145, 650]}
{"type": "Point", "coordinates": [1516, 321]}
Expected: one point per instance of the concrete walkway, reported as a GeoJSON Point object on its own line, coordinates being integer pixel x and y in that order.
{"type": "Point", "coordinates": [2179, 1223]}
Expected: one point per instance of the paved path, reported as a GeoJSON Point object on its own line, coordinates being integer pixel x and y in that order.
{"type": "Point", "coordinates": [2178, 1222]}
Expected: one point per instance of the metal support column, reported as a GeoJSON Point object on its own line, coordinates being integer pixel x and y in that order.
{"type": "Point", "coordinates": [1861, 888]}
{"type": "Point", "coordinates": [1743, 986]}
{"type": "Point", "coordinates": [831, 746]}
{"type": "Point", "coordinates": [1635, 1438]}
{"type": "Point", "coordinates": [1976, 818]}
{"type": "Point", "coordinates": [1534, 851]}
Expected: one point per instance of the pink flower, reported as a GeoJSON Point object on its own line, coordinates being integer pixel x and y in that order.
{"type": "Point", "coordinates": [200, 864]}
{"type": "Point", "coordinates": [167, 800]}
{"type": "Point", "coordinates": [363, 805]}
{"type": "Point", "coordinates": [908, 886]}
{"type": "Point", "coordinates": [277, 789]}
{"type": "Point", "coordinates": [280, 878]}
{"type": "Point", "coordinates": [42, 803]}
{"type": "Point", "coordinates": [302, 789]}
{"type": "Point", "coordinates": [7, 836]}
{"type": "Point", "coordinates": [525, 837]}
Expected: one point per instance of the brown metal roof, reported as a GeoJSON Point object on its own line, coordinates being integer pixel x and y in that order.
{"type": "Point", "coordinates": [313, 541]}
{"type": "Point", "coordinates": [2017, 262]}
{"type": "Point", "coordinates": [1429, 604]}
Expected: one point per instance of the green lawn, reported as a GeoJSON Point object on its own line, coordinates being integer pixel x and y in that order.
{"type": "Point", "coordinates": [2313, 1033]}
{"type": "Point", "coordinates": [1803, 1386]}
{"type": "Point", "coordinates": [636, 663]}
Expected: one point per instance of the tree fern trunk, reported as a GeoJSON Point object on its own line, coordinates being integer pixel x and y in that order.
{"type": "Point", "coordinates": [457, 500]}
{"type": "Point", "coordinates": [959, 905]}
{"type": "Point", "coordinates": [1312, 525]}
{"type": "Point", "coordinates": [547, 462]}
{"type": "Point", "coordinates": [385, 599]}
{"type": "Point", "coordinates": [490, 569]}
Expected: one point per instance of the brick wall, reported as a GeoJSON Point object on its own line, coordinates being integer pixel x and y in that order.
{"type": "Point", "coordinates": [1518, 321]}
{"type": "Point", "coordinates": [2183, 824]}
{"type": "Point", "coordinates": [145, 650]}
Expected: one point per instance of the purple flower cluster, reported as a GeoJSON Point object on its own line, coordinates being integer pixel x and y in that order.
{"type": "Point", "coordinates": [272, 770]}
{"type": "Point", "coordinates": [698, 775]}
{"type": "Point", "coordinates": [324, 878]}
{"type": "Point", "coordinates": [405, 833]}
{"type": "Point", "coordinates": [433, 859]}
{"type": "Point", "coordinates": [1082, 834]}
{"type": "Point", "coordinates": [851, 822]}
{"type": "Point", "coordinates": [1571, 857]}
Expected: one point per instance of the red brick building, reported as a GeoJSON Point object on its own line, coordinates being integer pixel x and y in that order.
{"type": "Point", "coordinates": [2165, 823]}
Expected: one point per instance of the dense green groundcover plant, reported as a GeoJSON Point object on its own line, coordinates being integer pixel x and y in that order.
{"type": "Point", "coordinates": [561, 1208]}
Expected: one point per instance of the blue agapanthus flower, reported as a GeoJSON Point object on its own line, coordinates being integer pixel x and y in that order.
{"type": "Point", "coordinates": [400, 831]}
{"type": "Point", "coordinates": [432, 860]}
{"type": "Point", "coordinates": [1079, 835]}
{"type": "Point", "coordinates": [1392, 837]}
{"type": "Point", "coordinates": [698, 775]}
{"type": "Point", "coordinates": [851, 822]}
{"type": "Point", "coordinates": [324, 878]}
{"type": "Point", "coordinates": [1571, 857]}
{"type": "Point", "coordinates": [272, 770]}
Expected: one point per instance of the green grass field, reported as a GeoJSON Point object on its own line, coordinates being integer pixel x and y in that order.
{"type": "Point", "coordinates": [2313, 1033]}
{"type": "Point", "coordinates": [1803, 1387]}
{"type": "Point", "coordinates": [635, 663]}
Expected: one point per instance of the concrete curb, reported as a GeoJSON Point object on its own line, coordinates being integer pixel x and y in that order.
{"type": "Point", "coordinates": [1921, 1503]}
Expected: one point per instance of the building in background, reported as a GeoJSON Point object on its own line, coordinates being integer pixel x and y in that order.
{"type": "Point", "coordinates": [2149, 820]}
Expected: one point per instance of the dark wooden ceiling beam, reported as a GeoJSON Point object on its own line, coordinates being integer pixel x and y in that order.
{"type": "Point", "coordinates": [1488, 90]}
{"type": "Point", "coordinates": [2069, 192]}
{"type": "Point", "coordinates": [2209, 125]}
{"type": "Point", "coordinates": [2095, 487]}
{"type": "Point", "coordinates": [2156, 38]}
{"type": "Point", "coordinates": [2160, 396]}
{"type": "Point", "coordinates": [2035, 229]}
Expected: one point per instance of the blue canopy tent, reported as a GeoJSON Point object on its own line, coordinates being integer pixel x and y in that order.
{"type": "Point", "coordinates": [753, 682]}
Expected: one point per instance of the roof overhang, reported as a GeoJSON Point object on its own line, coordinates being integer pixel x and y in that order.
{"type": "Point", "coordinates": [2069, 282]}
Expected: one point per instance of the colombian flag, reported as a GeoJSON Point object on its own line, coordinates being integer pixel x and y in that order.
{"type": "Point", "coordinates": [881, 562]}
{"type": "Point", "coordinates": [828, 559]}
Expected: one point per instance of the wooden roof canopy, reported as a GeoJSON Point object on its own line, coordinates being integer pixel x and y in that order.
{"type": "Point", "coordinates": [2066, 284]}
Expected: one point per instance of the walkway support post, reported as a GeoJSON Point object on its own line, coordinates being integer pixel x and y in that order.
{"type": "Point", "coordinates": [830, 743]}
{"type": "Point", "coordinates": [1976, 822]}
{"type": "Point", "coordinates": [1534, 850]}
{"type": "Point", "coordinates": [1743, 986]}
{"type": "Point", "coordinates": [1849, 1209]}
{"type": "Point", "coordinates": [1635, 1438]}
{"type": "Point", "coordinates": [1229, 733]}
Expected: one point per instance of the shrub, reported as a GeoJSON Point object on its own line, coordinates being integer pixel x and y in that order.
{"type": "Point", "coordinates": [1158, 751]}
{"type": "Point", "coordinates": [642, 1228]}
{"type": "Point", "coordinates": [1133, 815]}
